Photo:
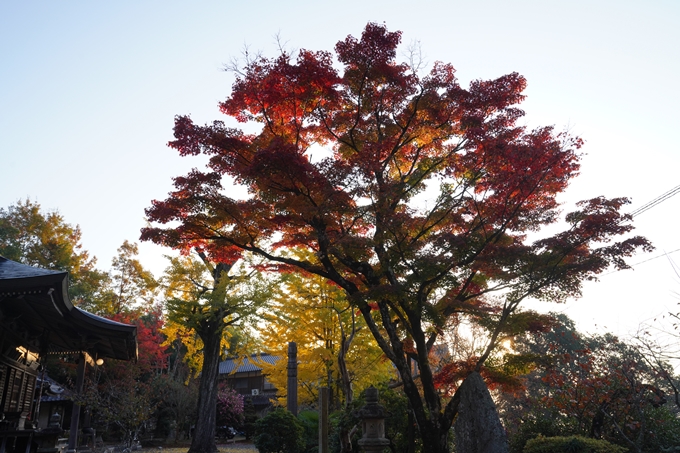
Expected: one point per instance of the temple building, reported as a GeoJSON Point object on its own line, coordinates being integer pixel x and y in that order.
{"type": "Point", "coordinates": [245, 376]}
{"type": "Point", "coordinates": [37, 318]}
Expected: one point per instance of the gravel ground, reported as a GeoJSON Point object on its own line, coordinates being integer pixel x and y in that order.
{"type": "Point", "coordinates": [223, 448]}
{"type": "Point", "coordinates": [239, 448]}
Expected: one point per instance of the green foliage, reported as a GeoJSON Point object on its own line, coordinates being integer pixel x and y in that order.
{"type": "Point", "coordinates": [199, 307]}
{"type": "Point", "coordinates": [29, 235]}
{"type": "Point", "coordinates": [126, 395]}
{"type": "Point", "coordinates": [547, 426]}
{"type": "Point", "coordinates": [176, 401]}
{"type": "Point", "coordinates": [280, 432]}
{"type": "Point", "coordinates": [204, 298]}
{"type": "Point", "coordinates": [310, 423]}
{"type": "Point", "coordinates": [572, 444]}
{"type": "Point", "coordinates": [122, 403]}
{"type": "Point", "coordinates": [397, 423]}
{"type": "Point", "coordinates": [341, 422]}
{"type": "Point", "coordinates": [249, 418]}
{"type": "Point", "coordinates": [36, 238]}
{"type": "Point", "coordinates": [132, 286]}
{"type": "Point", "coordinates": [664, 435]}
{"type": "Point", "coordinates": [200, 299]}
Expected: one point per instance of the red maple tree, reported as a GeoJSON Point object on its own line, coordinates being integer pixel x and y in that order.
{"type": "Point", "coordinates": [391, 138]}
{"type": "Point", "coordinates": [152, 357]}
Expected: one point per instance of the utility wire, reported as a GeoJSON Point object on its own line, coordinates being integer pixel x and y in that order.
{"type": "Point", "coordinates": [656, 201]}
{"type": "Point", "coordinates": [644, 208]}
{"type": "Point", "coordinates": [655, 257]}
{"type": "Point", "coordinates": [642, 262]}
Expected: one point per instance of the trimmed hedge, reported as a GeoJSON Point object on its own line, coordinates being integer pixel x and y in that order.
{"type": "Point", "coordinates": [571, 444]}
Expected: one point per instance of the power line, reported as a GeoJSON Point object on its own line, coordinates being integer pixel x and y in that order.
{"type": "Point", "coordinates": [656, 201]}
{"type": "Point", "coordinates": [644, 208]}
{"type": "Point", "coordinates": [642, 262]}
{"type": "Point", "coordinates": [655, 257]}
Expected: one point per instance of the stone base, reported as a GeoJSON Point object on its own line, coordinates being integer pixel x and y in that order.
{"type": "Point", "coordinates": [369, 445]}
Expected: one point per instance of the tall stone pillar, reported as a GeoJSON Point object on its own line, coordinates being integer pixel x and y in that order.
{"type": "Point", "coordinates": [292, 378]}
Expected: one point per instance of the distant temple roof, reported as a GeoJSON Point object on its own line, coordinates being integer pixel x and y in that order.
{"type": "Point", "coordinates": [12, 270]}
{"type": "Point", "coordinates": [34, 302]}
{"type": "Point", "coordinates": [247, 364]}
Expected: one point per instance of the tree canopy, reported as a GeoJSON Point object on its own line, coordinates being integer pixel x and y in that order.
{"type": "Point", "coordinates": [32, 236]}
{"type": "Point", "coordinates": [416, 196]}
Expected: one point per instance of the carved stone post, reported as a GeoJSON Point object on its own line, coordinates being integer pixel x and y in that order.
{"type": "Point", "coordinates": [292, 378]}
{"type": "Point", "coordinates": [372, 417]}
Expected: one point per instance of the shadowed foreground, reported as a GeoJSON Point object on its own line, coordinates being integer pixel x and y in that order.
{"type": "Point", "coordinates": [234, 448]}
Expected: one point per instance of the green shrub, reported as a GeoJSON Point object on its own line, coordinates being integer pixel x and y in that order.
{"type": "Point", "coordinates": [310, 424]}
{"type": "Point", "coordinates": [343, 420]}
{"type": "Point", "coordinates": [532, 427]}
{"type": "Point", "coordinates": [571, 444]}
{"type": "Point", "coordinates": [665, 434]}
{"type": "Point", "coordinates": [249, 418]}
{"type": "Point", "coordinates": [279, 432]}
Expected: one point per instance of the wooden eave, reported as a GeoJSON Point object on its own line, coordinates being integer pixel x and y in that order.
{"type": "Point", "coordinates": [35, 310]}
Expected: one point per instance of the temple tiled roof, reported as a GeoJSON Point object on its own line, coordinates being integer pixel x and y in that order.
{"type": "Point", "coordinates": [11, 269]}
{"type": "Point", "coordinates": [247, 364]}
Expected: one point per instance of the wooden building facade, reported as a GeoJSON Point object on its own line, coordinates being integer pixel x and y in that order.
{"type": "Point", "coordinates": [37, 318]}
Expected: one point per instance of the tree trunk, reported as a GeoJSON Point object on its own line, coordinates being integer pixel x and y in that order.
{"type": "Point", "coordinates": [433, 424]}
{"type": "Point", "coordinates": [410, 431]}
{"type": "Point", "coordinates": [434, 440]}
{"type": "Point", "coordinates": [433, 428]}
{"type": "Point", "coordinates": [203, 440]}
{"type": "Point", "coordinates": [345, 343]}
{"type": "Point", "coordinates": [345, 380]}
{"type": "Point", "coordinates": [478, 427]}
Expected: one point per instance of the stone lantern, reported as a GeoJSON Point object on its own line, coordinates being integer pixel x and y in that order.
{"type": "Point", "coordinates": [372, 417]}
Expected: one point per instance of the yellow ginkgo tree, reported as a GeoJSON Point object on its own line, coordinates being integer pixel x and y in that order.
{"type": "Point", "coordinates": [204, 301]}
{"type": "Point", "coordinates": [334, 347]}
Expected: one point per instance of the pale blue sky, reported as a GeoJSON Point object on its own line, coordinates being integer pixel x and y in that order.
{"type": "Point", "coordinates": [88, 92]}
